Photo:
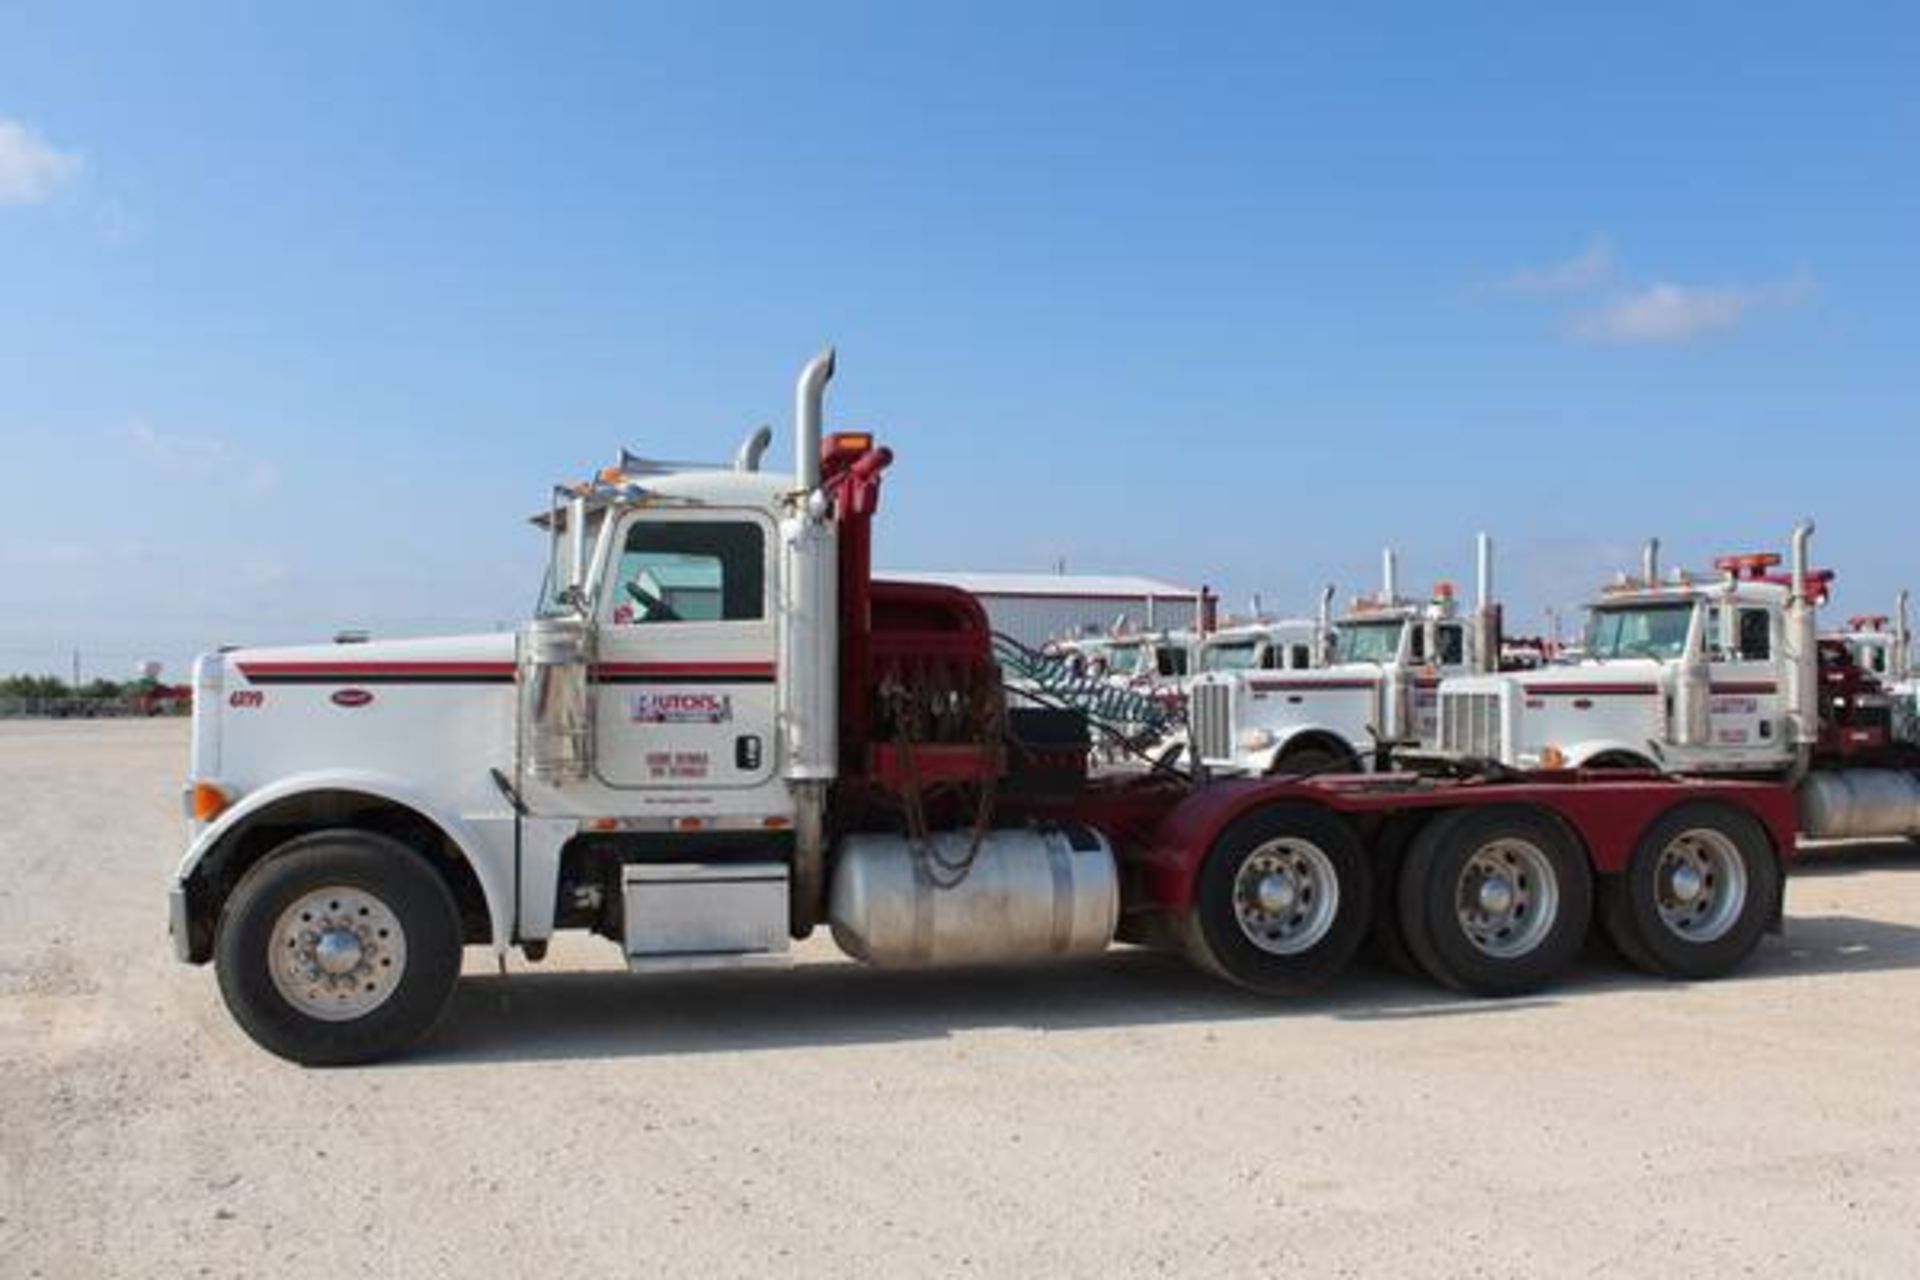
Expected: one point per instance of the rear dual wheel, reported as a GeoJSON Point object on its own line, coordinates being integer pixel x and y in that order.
{"type": "Point", "coordinates": [1494, 901]}
{"type": "Point", "coordinates": [1282, 901]}
{"type": "Point", "coordinates": [1696, 895]}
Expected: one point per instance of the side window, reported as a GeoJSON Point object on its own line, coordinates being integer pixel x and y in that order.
{"type": "Point", "coordinates": [1753, 639]}
{"type": "Point", "coordinates": [1419, 646]}
{"type": "Point", "coordinates": [1171, 662]}
{"type": "Point", "coordinates": [691, 571]}
{"type": "Point", "coordinates": [1301, 659]}
{"type": "Point", "coordinates": [1453, 646]}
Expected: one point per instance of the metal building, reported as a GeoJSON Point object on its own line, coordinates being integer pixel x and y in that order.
{"type": "Point", "coordinates": [1034, 608]}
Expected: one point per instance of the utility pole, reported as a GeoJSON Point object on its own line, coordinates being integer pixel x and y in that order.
{"type": "Point", "coordinates": [75, 686]}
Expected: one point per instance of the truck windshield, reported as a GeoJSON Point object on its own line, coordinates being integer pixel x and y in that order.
{"type": "Point", "coordinates": [1128, 659]}
{"type": "Point", "coordinates": [1368, 641]}
{"type": "Point", "coordinates": [1241, 655]}
{"type": "Point", "coordinates": [1639, 631]}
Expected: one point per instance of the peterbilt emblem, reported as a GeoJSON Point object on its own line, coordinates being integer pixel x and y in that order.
{"type": "Point", "coordinates": [351, 698]}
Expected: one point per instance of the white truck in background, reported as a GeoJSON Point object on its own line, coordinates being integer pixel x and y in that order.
{"type": "Point", "coordinates": [1376, 692]}
{"type": "Point", "coordinates": [1721, 674]}
{"type": "Point", "coordinates": [1284, 644]}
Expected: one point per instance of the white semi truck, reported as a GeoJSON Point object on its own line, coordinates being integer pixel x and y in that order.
{"type": "Point", "coordinates": [1286, 644]}
{"type": "Point", "coordinates": [1376, 691]}
{"type": "Point", "coordinates": [1721, 674]}
{"type": "Point", "coordinates": [720, 731]}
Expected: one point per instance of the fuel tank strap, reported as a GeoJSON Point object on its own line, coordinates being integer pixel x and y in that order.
{"type": "Point", "coordinates": [1063, 902]}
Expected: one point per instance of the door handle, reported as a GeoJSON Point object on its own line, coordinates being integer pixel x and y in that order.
{"type": "Point", "coordinates": [747, 752]}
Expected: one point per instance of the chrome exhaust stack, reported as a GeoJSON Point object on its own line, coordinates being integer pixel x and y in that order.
{"type": "Point", "coordinates": [1486, 611]}
{"type": "Point", "coordinates": [1389, 576]}
{"type": "Point", "coordinates": [1483, 573]}
{"type": "Point", "coordinates": [1650, 562]}
{"type": "Point", "coordinates": [1802, 532]}
{"type": "Point", "coordinates": [1902, 638]}
{"type": "Point", "coordinates": [808, 394]}
{"type": "Point", "coordinates": [806, 697]}
{"type": "Point", "coordinates": [1803, 655]}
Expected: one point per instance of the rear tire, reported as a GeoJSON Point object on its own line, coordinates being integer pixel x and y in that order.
{"type": "Point", "coordinates": [1696, 895]}
{"type": "Point", "coordinates": [1282, 902]}
{"type": "Point", "coordinates": [339, 947]}
{"type": "Point", "coordinates": [1495, 902]}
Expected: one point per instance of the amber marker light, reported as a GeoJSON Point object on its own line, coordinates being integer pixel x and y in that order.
{"type": "Point", "coordinates": [210, 800]}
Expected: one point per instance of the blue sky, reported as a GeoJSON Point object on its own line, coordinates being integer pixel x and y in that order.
{"type": "Point", "coordinates": [303, 307]}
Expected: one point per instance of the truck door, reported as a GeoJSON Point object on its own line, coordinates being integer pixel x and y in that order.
{"type": "Point", "coordinates": [684, 695]}
{"type": "Point", "coordinates": [1744, 702]}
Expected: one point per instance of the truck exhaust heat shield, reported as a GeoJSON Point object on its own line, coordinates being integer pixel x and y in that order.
{"type": "Point", "coordinates": [1029, 895]}
{"type": "Point", "coordinates": [556, 699]}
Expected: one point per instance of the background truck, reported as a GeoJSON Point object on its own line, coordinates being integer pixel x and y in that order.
{"type": "Point", "coordinates": [1376, 691]}
{"type": "Point", "coordinates": [703, 777]}
{"type": "Point", "coordinates": [1282, 644]}
{"type": "Point", "coordinates": [1718, 674]}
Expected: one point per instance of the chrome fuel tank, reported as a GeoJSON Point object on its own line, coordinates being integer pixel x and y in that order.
{"type": "Point", "coordinates": [1860, 804]}
{"type": "Point", "coordinates": [1029, 895]}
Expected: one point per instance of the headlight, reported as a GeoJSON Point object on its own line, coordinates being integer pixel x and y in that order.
{"type": "Point", "coordinates": [1256, 739]}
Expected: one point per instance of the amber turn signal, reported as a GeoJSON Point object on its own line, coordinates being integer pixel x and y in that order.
{"type": "Point", "coordinates": [209, 801]}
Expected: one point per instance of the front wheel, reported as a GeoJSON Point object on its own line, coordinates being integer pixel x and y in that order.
{"type": "Point", "coordinates": [338, 947]}
{"type": "Point", "coordinates": [1696, 895]}
{"type": "Point", "coordinates": [1283, 900]}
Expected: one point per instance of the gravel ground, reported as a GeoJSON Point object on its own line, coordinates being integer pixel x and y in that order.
{"type": "Point", "coordinates": [1116, 1117]}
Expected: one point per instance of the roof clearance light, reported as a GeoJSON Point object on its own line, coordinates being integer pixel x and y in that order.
{"type": "Point", "coordinates": [850, 442]}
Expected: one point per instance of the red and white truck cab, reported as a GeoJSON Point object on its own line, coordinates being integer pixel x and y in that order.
{"type": "Point", "coordinates": [1287, 644]}
{"type": "Point", "coordinates": [1722, 674]}
{"type": "Point", "coordinates": [1686, 674]}
{"type": "Point", "coordinates": [720, 731]}
{"type": "Point", "coordinates": [1377, 690]}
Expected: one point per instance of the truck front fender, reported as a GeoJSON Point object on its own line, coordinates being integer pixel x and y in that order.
{"type": "Point", "coordinates": [484, 842]}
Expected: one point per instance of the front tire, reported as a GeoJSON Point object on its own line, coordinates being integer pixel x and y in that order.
{"type": "Point", "coordinates": [1283, 901]}
{"type": "Point", "coordinates": [1495, 902]}
{"type": "Point", "coordinates": [1696, 895]}
{"type": "Point", "coordinates": [338, 947]}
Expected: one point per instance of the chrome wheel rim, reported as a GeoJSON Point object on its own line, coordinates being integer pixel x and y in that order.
{"type": "Point", "coordinates": [1507, 898]}
{"type": "Point", "coordinates": [337, 953]}
{"type": "Point", "coordinates": [1700, 885]}
{"type": "Point", "coordinates": [1286, 895]}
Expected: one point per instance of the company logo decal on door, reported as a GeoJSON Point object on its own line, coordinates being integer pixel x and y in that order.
{"type": "Point", "coordinates": [680, 708]}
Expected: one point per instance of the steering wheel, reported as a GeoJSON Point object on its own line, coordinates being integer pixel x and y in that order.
{"type": "Point", "coordinates": [658, 610]}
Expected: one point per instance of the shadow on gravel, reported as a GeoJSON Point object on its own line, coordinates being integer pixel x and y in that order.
{"type": "Point", "coordinates": [1850, 857]}
{"type": "Point", "coordinates": [572, 1015]}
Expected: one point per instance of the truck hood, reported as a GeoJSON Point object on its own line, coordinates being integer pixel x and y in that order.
{"type": "Point", "coordinates": [485, 658]}
{"type": "Point", "coordinates": [1622, 673]}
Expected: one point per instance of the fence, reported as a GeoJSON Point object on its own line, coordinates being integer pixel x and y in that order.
{"type": "Point", "coordinates": [68, 707]}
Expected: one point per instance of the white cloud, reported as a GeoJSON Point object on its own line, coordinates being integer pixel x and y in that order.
{"type": "Point", "coordinates": [32, 170]}
{"type": "Point", "coordinates": [1590, 267]}
{"type": "Point", "coordinates": [203, 458]}
{"type": "Point", "coordinates": [1665, 312]}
